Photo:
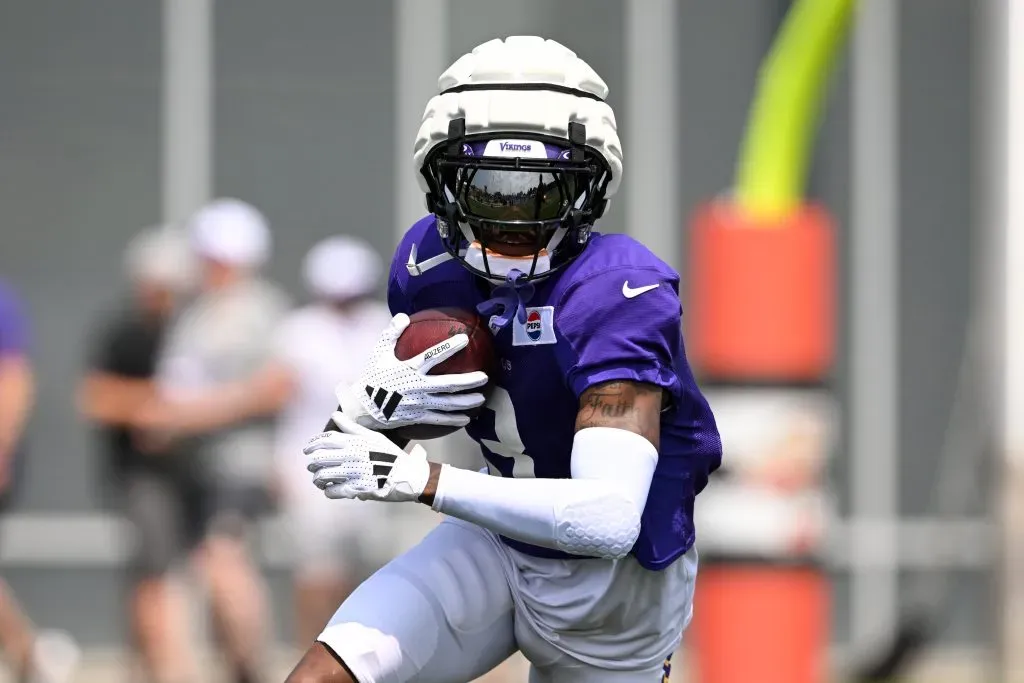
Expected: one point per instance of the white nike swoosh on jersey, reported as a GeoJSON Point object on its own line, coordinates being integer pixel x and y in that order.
{"type": "Point", "coordinates": [629, 292]}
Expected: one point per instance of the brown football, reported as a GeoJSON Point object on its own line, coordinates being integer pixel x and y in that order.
{"type": "Point", "coordinates": [433, 326]}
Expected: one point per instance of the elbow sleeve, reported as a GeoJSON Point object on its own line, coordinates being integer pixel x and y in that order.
{"type": "Point", "coordinates": [598, 523]}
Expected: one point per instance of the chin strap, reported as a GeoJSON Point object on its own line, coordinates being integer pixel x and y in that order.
{"type": "Point", "coordinates": [509, 298]}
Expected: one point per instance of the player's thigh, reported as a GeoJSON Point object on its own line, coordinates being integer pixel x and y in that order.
{"type": "Point", "coordinates": [578, 672]}
{"type": "Point", "coordinates": [440, 613]}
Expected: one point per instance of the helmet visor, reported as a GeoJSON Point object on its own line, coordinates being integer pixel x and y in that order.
{"type": "Point", "coordinates": [512, 195]}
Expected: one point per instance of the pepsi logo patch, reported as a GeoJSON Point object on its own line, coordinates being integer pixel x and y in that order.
{"type": "Point", "coordinates": [539, 327]}
{"type": "Point", "coordinates": [533, 325]}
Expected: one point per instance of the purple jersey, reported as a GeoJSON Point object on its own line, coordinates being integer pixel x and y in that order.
{"type": "Point", "coordinates": [612, 314]}
{"type": "Point", "coordinates": [13, 323]}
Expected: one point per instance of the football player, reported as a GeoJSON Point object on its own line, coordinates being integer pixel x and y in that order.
{"type": "Point", "coordinates": [576, 546]}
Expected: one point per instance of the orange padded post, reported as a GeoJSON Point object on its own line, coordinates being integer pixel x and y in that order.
{"type": "Point", "coordinates": [762, 295]}
{"type": "Point", "coordinates": [760, 623]}
{"type": "Point", "coordinates": [761, 313]}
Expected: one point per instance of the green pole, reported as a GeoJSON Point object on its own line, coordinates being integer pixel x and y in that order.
{"type": "Point", "coordinates": [776, 149]}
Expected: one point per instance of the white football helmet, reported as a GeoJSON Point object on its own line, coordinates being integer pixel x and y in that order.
{"type": "Point", "coordinates": [519, 147]}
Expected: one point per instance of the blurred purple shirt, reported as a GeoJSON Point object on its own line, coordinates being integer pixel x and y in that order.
{"type": "Point", "coordinates": [13, 323]}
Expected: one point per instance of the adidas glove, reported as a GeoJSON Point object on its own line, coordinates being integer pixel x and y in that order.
{"type": "Point", "coordinates": [394, 393]}
{"type": "Point", "coordinates": [357, 462]}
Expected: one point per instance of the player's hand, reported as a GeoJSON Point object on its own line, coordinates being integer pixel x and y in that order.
{"type": "Point", "coordinates": [357, 462]}
{"type": "Point", "coordinates": [395, 393]}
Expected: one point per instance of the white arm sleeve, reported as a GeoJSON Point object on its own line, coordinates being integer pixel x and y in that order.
{"type": "Point", "coordinates": [595, 513]}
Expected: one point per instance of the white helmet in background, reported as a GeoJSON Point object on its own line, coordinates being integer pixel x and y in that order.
{"type": "Point", "coordinates": [519, 141]}
{"type": "Point", "coordinates": [232, 232]}
{"type": "Point", "coordinates": [160, 256]}
{"type": "Point", "coordinates": [341, 268]}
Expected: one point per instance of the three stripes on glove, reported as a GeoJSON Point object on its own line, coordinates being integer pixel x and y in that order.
{"type": "Point", "coordinates": [386, 404]}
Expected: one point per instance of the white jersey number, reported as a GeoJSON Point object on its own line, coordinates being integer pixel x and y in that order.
{"type": "Point", "coordinates": [509, 443]}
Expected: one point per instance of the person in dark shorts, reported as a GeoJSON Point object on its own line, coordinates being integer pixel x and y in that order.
{"type": "Point", "coordinates": [157, 490]}
{"type": "Point", "coordinates": [214, 398]}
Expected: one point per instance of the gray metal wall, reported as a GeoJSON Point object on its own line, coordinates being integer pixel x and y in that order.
{"type": "Point", "coordinates": [304, 112]}
{"type": "Point", "coordinates": [79, 174]}
{"type": "Point", "coordinates": [937, 243]}
{"type": "Point", "coordinates": [304, 129]}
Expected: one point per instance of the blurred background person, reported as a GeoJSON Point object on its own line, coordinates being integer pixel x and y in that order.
{"type": "Point", "coordinates": [157, 493]}
{"type": "Point", "coordinates": [210, 401]}
{"type": "Point", "coordinates": [45, 657]}
{"type": "Point", "coordinates": [317, 347]}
